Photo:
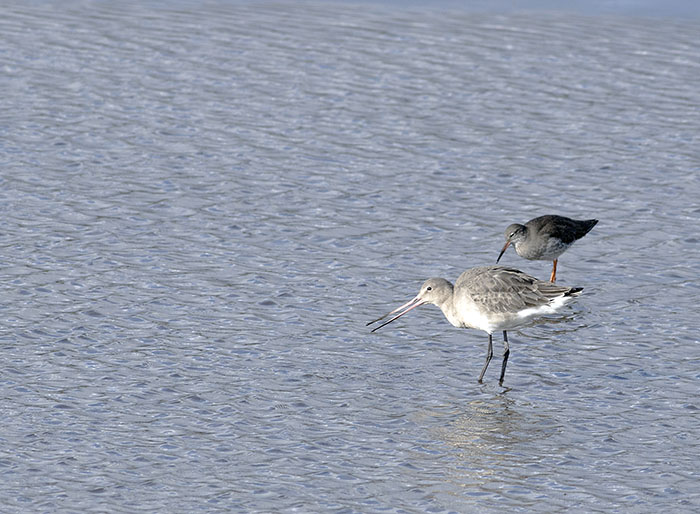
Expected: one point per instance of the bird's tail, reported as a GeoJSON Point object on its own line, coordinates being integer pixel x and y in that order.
{"type": "Point", "coordinates": [586, 228]}
{"type": "Point", "coordinates": [552, 290]}
{"type": "Point", "coordinates": [573, 291]}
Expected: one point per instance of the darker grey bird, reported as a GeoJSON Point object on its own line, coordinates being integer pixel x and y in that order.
{"type": "Point", "coordinates": [545, 238]}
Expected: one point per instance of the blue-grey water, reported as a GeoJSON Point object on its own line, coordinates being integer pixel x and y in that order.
{"type": "Point", "coordinates": [203, 204]}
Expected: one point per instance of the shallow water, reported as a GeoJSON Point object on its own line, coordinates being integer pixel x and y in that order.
{"type": "Point", "coordinates": [203, 206]}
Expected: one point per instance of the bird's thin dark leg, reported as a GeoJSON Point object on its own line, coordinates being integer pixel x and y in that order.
{"type": "Point", "coordinates": [489, 354]}
{"type": "Point", "coordinates": [553, 277]}
{"type": "Point", "coordinates": [506, 353]}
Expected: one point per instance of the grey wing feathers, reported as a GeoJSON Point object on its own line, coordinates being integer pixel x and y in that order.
{"type": "Point", "coordinates": [567, 230]}
{"type": "Point", "coordinates": [503, 289]}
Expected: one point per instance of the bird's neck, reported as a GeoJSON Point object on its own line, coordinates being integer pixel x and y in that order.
{"type": "Point", "coordinates": [450, 311]}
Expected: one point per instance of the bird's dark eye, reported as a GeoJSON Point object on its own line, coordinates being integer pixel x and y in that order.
{"type": "Point", "coordinates": [428, 288]}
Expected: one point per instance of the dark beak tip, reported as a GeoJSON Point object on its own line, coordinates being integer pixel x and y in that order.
{"type": "Point", "coordinates": [500, 255]}
{"type": "Point", "coordinates": [503, 250]}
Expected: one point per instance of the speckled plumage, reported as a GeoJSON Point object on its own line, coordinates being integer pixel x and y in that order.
{"type": "Point", "coordinates": [546, 237]}
{"type": "Point", "coordinates": [502, 291]}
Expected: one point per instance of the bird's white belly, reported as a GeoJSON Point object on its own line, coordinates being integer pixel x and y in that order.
{"type": "Point", "coordinates": [468, 315]}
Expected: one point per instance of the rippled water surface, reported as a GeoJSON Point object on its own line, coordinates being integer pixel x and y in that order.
{"type": "Point", "coordinates": [202, 206]}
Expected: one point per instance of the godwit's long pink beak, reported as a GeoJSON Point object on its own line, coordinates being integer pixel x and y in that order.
{"type": "Point", "coordinates": [409, 305]}
{"type": "Point", "coordinates": [505, 247]}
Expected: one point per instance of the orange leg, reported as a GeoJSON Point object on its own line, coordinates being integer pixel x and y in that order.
{"type": "Point", "coordinates": [553, 278]}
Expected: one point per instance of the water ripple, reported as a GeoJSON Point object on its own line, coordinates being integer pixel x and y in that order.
{"type": "Point", "coordinates": [202, 207]}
